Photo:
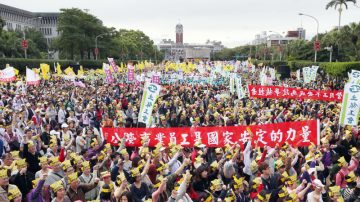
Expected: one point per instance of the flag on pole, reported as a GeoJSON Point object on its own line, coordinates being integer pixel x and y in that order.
{"type": "Point", "coordinates": [32, 78]}
{"type": "Point", "coordinates": [130, 73]}
{"type": "Point", "coordinates": [150, 94]}
{"type": "Point", "coordinates": [354, 76]}
{"type": "Point", "coordinates": [232, 80]}
{"type": "Point", "coordinates": [351, 105]}
{"type": "Point", "coordinates": [58, 69]}
{"type": "Point", "coordinates": [107, 71]}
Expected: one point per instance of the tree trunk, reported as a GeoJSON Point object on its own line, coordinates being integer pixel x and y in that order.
{"type": "Point", "coordinates": [340, 10]}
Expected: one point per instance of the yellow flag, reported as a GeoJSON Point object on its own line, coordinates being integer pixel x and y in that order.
{"type": "Point", "coordinates": [81, 71]}
{"type": "Point", "coordinates": [58, 69]}
{"type": "Point", "coordinates": [16, 71]}
{"type": "Point", "coordinates": [69, 71]}
{"type": "Point", "coordinates": [45, 69]}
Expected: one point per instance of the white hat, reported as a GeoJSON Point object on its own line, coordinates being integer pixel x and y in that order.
{"type": "Point", "coordinates": [318, 183]}
{"type": "Point", "coordinates": [64, 125]}
{"type": "Point", "coordinates": [53, 132]}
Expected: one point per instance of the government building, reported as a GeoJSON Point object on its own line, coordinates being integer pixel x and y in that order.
{"type": "Point", "coordinates": [18, 20]}
{"type": "Point", "coordinates": [180, 51]}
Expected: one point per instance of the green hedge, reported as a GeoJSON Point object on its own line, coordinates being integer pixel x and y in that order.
{"type": "Point", "coordinates": [339, 68]}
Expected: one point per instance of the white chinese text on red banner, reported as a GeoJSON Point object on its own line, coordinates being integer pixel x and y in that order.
{"type": "Point", "coordinates": [301, 133]}
{"type": "Point", "coordinates": [278, 92]}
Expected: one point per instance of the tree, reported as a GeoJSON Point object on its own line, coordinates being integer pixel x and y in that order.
{"type": "Point", "coordinates": [340, 3]}
{"type": "Point", "coordinates": [77, 33]}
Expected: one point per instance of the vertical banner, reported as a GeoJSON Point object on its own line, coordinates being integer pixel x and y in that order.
{"type": "Point", "coordinates": [113, 64]}
{"type": "Point", "coordinates": [239, 88]}
{"type": "Point", "coordinates": [155, 78]}
{"type": "Point", "coordinates": [151, 93]}
{"type": "Point", "coordinates": [313, 72]}
{"type": "Point", "coordinates": [107, 71]}
{"type": "Point", "coordinates": [130, 73]}
{"type": "Point", "coordinates": [307, 74]}
{"type": "Point", "coordinates": [45, 70]}
{"type": "Point", "coordinates": [298, 75]}
{"type": "Point", "coordinates": [32, 78]}
{"type": "Point", "coordinates": [350, 105]}
{"type": "Point", "coordinates": [354, 76]}
{"type": "Point", "coordinates": [232, 80]}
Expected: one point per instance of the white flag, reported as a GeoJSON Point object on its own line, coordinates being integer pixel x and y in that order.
{"type": "Point", "coordinates": [313, 72]}
{"type": "Point", "coordinates": [150, 94]}
{"type": "Point", "coordinates": [351, 105]}
{"type": "Point", "coordinates": [7, 74]}
{"type": "Point", "coordinates": [307, 74]}
{"type": "Point", "coordinates": [32, 78]}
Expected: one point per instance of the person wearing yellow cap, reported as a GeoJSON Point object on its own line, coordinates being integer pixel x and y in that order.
{"type": "Point", "coordinates": [56, 172]}
{"type": "Point", "coordinates": [345, 169]}
{"type": "Point", "coordinates": [44, 167]}
{"type": "Point", "coordinates": [87, 177]}
{"type": "Point", "coordinates": [350, 193]}
{"type": "Point", "coordinates": [76, 191]}
{"type": "Point", "coordinates": [32, 156]}
{"type": "Point", "coordinates": [14, 195]}
{"type": "Point", "coordinates": [59, 192]}
{"type": "Point", "coordinates": [4, 184]}
{"type": "Point", "coordinates": [36, 194]}
{"type": "Point", "coordinates": [23, 179]}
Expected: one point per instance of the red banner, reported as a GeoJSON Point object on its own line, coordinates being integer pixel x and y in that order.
{"type": "Point", "coordinates": [301, 133]}
{"type": "Point", "coordinates": [278, 92]}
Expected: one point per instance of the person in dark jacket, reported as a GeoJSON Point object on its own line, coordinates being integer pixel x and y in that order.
{"type": "Point", "coordinates": [32, 156]}
{"type": "Point", "coordinates": [23, 179]}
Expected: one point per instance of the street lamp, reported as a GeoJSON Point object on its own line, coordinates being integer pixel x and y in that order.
{"type": "Point", "coordinates": [24, 35]}
{"type": "Point", "coordinates": [317, 29]}
{"type": "Point", "coordinates": [279, 42]}
{"type": "Point", "coordinates": [96, 45]}
{"type": "Point", "coordinates": [141, 44]}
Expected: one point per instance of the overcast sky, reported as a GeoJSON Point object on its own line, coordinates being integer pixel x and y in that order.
{"type": "Point", "coordinates": [234, 22]}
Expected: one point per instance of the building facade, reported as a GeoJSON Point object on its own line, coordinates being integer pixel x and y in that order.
{"type": "Point", "coordinates": [20, 20]}
{"type": "Point", "coordinates": [180, 51]}
{"type": "Point", "coordinates": [278, 39]}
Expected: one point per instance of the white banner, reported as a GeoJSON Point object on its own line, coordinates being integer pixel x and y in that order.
{"type": "Point", "coordinates": [307, 74]}
{"type": "Point", "coordinates": [32, 78]}
{"type": "Point", "coordinates": [272, 73]}
{"type": "Point", "coordinates": [354, 76]}
{"type": "Point", "coordinates": [239, 89]}
{"type": "Point", "coordinates": [351, 105]}
{"type": "Point", "coordinates": [7, 75]}
{"type": "Point", "coordinates": [313, 72]}
{"type": "Point", "coordinates": [232, 80]}
{"type": "Point", "coordinates": [298, 74]}
{"type": "Point", "coordinates": [150, 94]}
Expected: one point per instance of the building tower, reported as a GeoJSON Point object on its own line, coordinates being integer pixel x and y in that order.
{"type": "Point", "coordinates": [179, 34]}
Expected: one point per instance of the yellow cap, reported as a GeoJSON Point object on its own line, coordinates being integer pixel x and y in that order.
{"type": "Point", "coordinates": [158, 180]}
{"type": "Point", "coordinates": [66, 164]}
{"type": "Point", "coordinates": [256, 182]}
{"type": "Point", "coordinates": [94, 142]}
{"type": "Point", "coordinates": [105, 174]}
{"type": "Point", "coordinates": [239, 182]}
{"type": "Point", "coordinates": [43, 160]}
{"type": "Point", "coordinates": [351, 177]}
{"type": "Point", "coordinates": [56, 186]}
{"type": "Point", "coordinates": [14, 193]}
{"type": "Point", "coordinates": [4, 173]}
{"type": "Point", "coordinates": [214, 164]}
{"type": "Point", "coordinates": [35, 182]}
{"type": "Point", "coordinates": [216, 185]}
{"type": "Point", "coordinates": [342, 161]}
{"type": "Point", "coordinates": [85, 165]}
{"type": "Point", "coordinates": [54, 160]}
{"type": "Point", "coordinates": [73, 177]}
{"type": "Point", "coordinates": [15, 154]}
{"type": "Point", "coordinates": [123, 152]}
{"type": "Point", "coordinates": [21, 163]}
{"type": "Point", "coordinates": [279, 163]}
{"type": "Point", "coordinates": [353, 151]}
{"type": "Point", "coordinates": [135, 172]}
{"type": "Point", "coordinates": [120, 178]}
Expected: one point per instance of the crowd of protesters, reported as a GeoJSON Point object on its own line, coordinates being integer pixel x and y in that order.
{"type": "Point", "coordinates": [52, 149]}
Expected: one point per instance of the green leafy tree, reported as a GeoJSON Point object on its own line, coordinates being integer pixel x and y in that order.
{"type": "Point", "coordinates": [78, 31]}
